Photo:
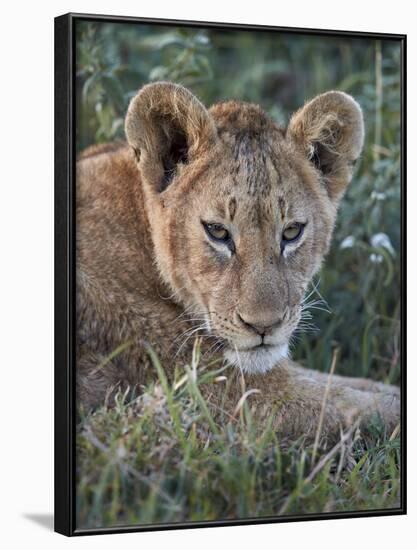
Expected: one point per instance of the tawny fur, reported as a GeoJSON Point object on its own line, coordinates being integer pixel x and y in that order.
{"type": "Point", "coordinates": [147, 273]}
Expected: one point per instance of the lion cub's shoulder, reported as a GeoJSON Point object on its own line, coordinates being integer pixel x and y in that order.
{"type": "Point", "coordinates": [105, 171]}
{"type": "Point", "coordinates": [101, 149]}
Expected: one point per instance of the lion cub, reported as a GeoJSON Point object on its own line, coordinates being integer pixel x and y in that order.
{"type": "Point", "coordinates": [213, 222]}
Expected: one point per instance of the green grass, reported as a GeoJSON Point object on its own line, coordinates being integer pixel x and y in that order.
{"type": "Point", "coordinates": [163, 457]}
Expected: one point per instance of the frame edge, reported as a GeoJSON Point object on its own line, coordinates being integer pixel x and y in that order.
{"type": "Point", "coordinates": [64, 520]}
{"type": "Point", "coordinates": [63, 465]}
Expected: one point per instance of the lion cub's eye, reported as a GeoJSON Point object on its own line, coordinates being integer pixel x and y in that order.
{"type": "Point", "coordinates": [292, 232]}
{"type": "Point", "coordinates": [217, 232]}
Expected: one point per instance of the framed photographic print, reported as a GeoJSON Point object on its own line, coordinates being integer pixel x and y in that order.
{"type": "Point", "coordinates": [230, 274]}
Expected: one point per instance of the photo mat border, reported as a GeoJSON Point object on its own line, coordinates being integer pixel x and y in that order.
{"type": "Point", "coordinates": [65, 319]}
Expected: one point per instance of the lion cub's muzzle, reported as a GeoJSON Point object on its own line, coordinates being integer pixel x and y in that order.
{"type": "Point", "coordinates": [261, 326]}
{"type": "Point", "coordinates": [260, 344]}
{"type": "Point", "coordinates": [245, 332]}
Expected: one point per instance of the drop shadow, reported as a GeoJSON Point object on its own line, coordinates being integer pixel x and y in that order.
{"type": "Point", "coordinates": [44, 520]}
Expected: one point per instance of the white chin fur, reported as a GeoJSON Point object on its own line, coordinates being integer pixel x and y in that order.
{"type": "Point", "coordinates": [257, 360]}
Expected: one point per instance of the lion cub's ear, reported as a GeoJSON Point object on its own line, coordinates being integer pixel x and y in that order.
{"type": "Point", "coordinates": [330, 130]}
{"type": "Point", "coordinates": [166, 125]}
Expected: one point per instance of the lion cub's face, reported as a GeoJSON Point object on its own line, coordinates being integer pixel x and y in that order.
{"type": "Point", "coordinates": [241, 211]}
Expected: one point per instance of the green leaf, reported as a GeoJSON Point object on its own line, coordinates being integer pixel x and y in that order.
{"type": "Point", "coordinates": [113, 90]}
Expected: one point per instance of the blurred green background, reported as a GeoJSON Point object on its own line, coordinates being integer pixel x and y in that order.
{"type": "Point", "coordinates": [361, 277]}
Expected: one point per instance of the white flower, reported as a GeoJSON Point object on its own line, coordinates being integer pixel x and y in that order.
{"type": "Point", "coordinates": [376, 258]}
{"type": "Point", "coordinates": [202, 39]}
{"type": "Point", "coordinates": [348, 242]}
{"type": "Point", "coordinates": [376, 195]}
{"type": "Point", "coordinates": [381, 240]}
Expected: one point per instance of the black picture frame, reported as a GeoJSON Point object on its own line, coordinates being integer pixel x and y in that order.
{"type": "Point", "coordinates": [65, 274]}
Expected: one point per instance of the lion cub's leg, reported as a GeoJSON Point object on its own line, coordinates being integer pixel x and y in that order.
{"type": "Point", "coordinates": [349, 403]}
{"type": "Point", "coordinates": [97, 378]}
{"type": "Point", "coordinates": [363, 384]}
{"type": "Point", "coordinates": [297, 398]}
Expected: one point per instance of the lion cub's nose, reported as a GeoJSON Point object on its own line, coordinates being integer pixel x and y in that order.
{"type": "Point", "coordinates": [260, 325]}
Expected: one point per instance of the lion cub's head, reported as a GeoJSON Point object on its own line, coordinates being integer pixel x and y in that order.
{"type": "Point", "coordinates": [242, 211]}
